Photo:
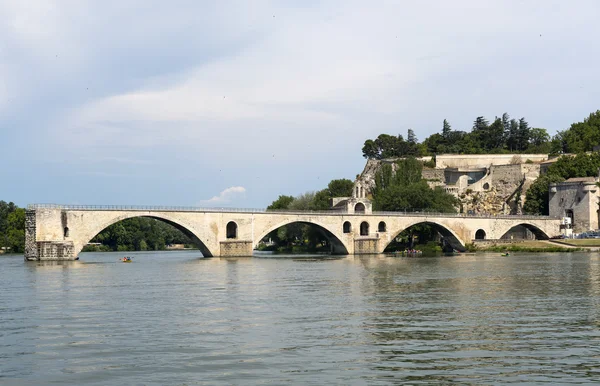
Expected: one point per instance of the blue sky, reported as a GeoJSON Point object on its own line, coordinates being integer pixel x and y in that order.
{"type": "Point", "coordinates": [232, 103]}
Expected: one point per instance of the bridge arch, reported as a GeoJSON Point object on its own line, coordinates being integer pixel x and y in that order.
{"type": "Point", "coordinates": [539, 234]}
{"type": "Point", "coordinates": [338, 247]}
{"type": "Point", "coordinates": [450, 236]}
{"type": "Point", "coordinates": [81, 239]}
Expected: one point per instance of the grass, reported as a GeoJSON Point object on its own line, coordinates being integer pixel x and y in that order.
{"type": "Point", "coordinates": [579, 242]}
{"type": "Point", "coordinates": [528, 246]}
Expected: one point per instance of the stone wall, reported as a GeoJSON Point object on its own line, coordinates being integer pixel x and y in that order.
{"type": "Point", "coordinates": [579, 197]}
{"type": "Point", "coordinates": [236, 248]}
{"type": "Point", "coordinates": [31, 251]}
{"type": "Point", "coordinates": [55, 250]}
{"type": "Point", "coordinates": [434, 177]}
{"type": "Point", "coordinates": [365, 245]}
{"type": "Point", "coordinates": [443, 161]}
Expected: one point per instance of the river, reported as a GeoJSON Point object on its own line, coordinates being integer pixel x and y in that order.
{"type": "Point", "coordinates": [172, 318]}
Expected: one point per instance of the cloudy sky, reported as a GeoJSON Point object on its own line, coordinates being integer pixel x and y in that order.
{"type": "Point", "coordinates": [232, 103]}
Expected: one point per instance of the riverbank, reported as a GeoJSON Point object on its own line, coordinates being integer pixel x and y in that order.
{"type": "Point", "coordinates": [527, 246]}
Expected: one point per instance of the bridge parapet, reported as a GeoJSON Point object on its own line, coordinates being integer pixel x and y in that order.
{"type": "Point", "coordinates": [409, 213]}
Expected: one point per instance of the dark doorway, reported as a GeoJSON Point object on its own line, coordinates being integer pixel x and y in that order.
{"type": "Point", "coordinates": [231, 230]}
{"type": "Point", "coordinates": [347, 227]}
{"type": "Point", "coordinates": [364, 228]}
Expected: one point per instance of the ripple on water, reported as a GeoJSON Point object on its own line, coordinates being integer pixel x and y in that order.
{"type": "Point", "coordinates": [170, 318]}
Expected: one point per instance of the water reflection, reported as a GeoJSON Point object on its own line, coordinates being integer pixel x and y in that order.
{"type": "Point", "coordinates": [173, 318]}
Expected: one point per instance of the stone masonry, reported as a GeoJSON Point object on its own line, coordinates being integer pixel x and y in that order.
{"type": "Point", "coordinates": [55, 233]}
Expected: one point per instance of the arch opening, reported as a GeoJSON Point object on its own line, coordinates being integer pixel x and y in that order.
{"type": "Point", "coordinates": [232, 230]}
{"type": "Point", "coordinates": [382, 227]}
{"type": "Point", "coordinates": [136, 233]}
{"type": "Point", "coordinates": [428, 236]}
{"type": "Point", "coordinates": [359, 208]}
{"type": "Point", "coordinates": [480, 234]}
{"type": "Point", "coordinates": [66, 232]}
{"type": "Point", "coordinates": [347, 227]}
{"type": "Point", "coordinates": [524, 231]}
{"type": "Point", "coordinates": [302, 236]}
{"type": "Point", "coordinates": [364, 228]}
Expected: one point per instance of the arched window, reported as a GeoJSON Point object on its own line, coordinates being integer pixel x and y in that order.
{"type": "Point", "coordinates": [231, 230]}
{"type": "Point", "coordinates": [486, 186]}
{"type": "Point", "coordinates": [364, 228]}
{"type": "Point", "coordinates": [347, 227]}
{"type": "Point", "coordinates": [381, 227]}
{"type": "Point", "coordinates": [480, 235]}
{"type": "Point", "coordinates": [359, 208]}
{"type": "Point", "coordinates": [66, 232]}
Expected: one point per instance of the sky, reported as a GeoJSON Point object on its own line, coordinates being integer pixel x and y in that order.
{"type": "Point", "coordinates": [233, 103]}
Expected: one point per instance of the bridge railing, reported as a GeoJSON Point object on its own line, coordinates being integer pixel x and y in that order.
{"type": "Point", "coordinates": [154, 208]}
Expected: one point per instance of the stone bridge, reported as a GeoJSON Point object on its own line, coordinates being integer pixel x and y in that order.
{"type": "Point", "coordinates": [59, 232]}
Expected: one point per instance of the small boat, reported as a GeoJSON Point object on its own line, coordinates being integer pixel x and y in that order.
{"type": "Point", "coordinates": [505, 254]}
{"type": "Point", "coordinates": [126, 259]}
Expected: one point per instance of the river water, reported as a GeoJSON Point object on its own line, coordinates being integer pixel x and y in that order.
{"type": "Point", "coordinates": [174, 318]}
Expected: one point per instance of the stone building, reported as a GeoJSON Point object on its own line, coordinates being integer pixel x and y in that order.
{"type": "Point", "coordinates": [578, 199]}
{"type": "Point", "coordinates": [484, 183]}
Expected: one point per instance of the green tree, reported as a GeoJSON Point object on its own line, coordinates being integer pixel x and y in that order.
{"type": "Point", "coordinates": [446, 129]}
{"type": "Point", "coordinates": [370, 149]}
{"type": "Point", "coordinates": [583, 136]}
{"type": "Point", "coordinates": [581, 165]}
{"type": "Point", "coordinates": [340, 188]}
{"type": "Point", "coordinates": [536, 198]}
{"type": "Point", "coordinates": [16, 230]}
{"type": "Point", "coordinates": [283, 202]}
{"type": "Point", "coordinates": [405, 190]}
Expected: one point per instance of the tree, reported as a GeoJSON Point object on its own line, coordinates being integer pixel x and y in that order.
{"type": "Point", "coordinates": [16, 230]}
{"type": "Point", "coordinates": [446, 129]}
{"type": "Point", "coordinates": [523, 134]}
{"type": "Point", "coordinates": [583, 136]}
{"type": "Point", "coordinates": [582, 165]}
{"type": "Point", "coordinates": [370, 149]}
{"type": "Point", "coordinates": [411, 137]}
{"type": "Point", "coordinates": [405, 190]}
{"type": "Point", "coordinates": [282, 202]}
{"type": "Point", "coordinates": [536, 198]}
{"type": "Point", "coordinates": [340, 188]}
{"type": "Point", "coordinates": [512, 137]}
{"type": "Point", "coordinates": [494, 138]}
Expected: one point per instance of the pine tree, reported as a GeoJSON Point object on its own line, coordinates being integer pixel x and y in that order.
{"type": "Point", "coordinates": [523, 135]}
{"type": "Point", "coordinates": [446, 129]}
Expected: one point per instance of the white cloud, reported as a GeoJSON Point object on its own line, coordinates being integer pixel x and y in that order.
{"type": "Point", "coordinates": [226, 196]}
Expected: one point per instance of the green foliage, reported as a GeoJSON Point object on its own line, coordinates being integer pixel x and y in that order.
{"type": "Point", "coordinates": [303, 237]}
{"type": "Point", "coordinates": [405, 190]}
{"type": "Point", "coordinates": [340, 188]}
{"type": "Point", "coordinates": [581, 165]}
{"type": "Point", "coordinates": [140, 234]}
{"type": "Point", "coordinates": [283, 202]}
{"type": "Point", "coordinates": [582, 136]}
{"type": "Point", "coordinates": [389, 146]}
{"type": "Point", "coordinates": [12, 227]}
{"type": "Point", "coordinates": [503, 135]}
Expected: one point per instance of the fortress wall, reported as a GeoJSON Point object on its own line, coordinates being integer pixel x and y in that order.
{"type": "Point", "coordinates": [483, 160]}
